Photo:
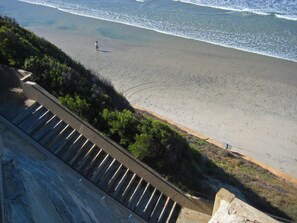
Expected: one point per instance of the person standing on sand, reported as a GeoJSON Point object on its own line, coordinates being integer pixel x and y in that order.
{"type": "Point", "coordinates": [97, 45]}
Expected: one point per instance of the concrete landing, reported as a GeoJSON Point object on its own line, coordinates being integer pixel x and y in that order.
{"type": "Point", "coordinates": [40, 188]}
{"type": "Point", "coordinates": [229, 209]}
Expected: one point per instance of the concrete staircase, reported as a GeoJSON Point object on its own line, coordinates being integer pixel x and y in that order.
{"type": "Point", "coordinates": [97, 165]}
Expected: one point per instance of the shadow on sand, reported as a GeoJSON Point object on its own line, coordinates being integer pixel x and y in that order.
{"type": "Point", "coordinates": [104, 51]}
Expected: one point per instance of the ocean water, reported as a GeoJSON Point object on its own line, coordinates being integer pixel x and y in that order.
{"type": "Point", "coordinates": [267, 27]}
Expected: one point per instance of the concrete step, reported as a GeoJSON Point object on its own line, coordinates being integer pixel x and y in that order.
{"type": "Point", "coordinates": [41, 123]}
{"type": "Point", "coordinates": [144, 199]}
{"type": "Point", "coordinates": [157, 209]}
{"type": "Point", "coordinates": [31, 114]}
{"type": "Point", "coordinates": [115, 178]}
{"type": "Point", "coordinates": [95, 174]}
{"type": "Point", "coordinates": [53, 133]}
{"type": "Point", "coordinates": [173, 214]}
{"type": "Point", "coordinates": [165, 210]}
{"type": "Point", "coordinates": [49, 126]}
{"type": "Point", "coordinates": [120, 188]}
{"type": "Point", "coordinates": [32, 119]}
{"type": "Point", "coordinates": [60, 139]}
{"type": "Point", "coordinates": [132, 185]}
{"type": "Point", "coordinates": [81, 153]}
{"type": "Point", "coordinates": [64, 146]}
{"type": "Point", "coordinates": [150, 206]}
{"type": "Point", "coordinates": [25, 113]}
{"type": "Point", "coordinates": [108, 174]}
{"type": "Point", "coordinates": [141, 197]}
{"type": "Point", "coordinates": [67, 155]}
{"type": "Point", "coordinates": [136, 194]}
{"type": "Point", "coordinates": [91, 159]}
{"type": "Point", "coordinates": [119, 182]}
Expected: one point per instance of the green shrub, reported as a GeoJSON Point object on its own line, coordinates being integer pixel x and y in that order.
{"type": "Point", "coordinates": [164, 147]}
{"type": "Point", "coordinates": [122, 126]}
{"type": "Point", "coordinates": [142, 148]}
{"type": "Point", "coordinates": [14, 47]}
{"type": "Point", "coordinates": [75, 104]}
{"type": "Point", "coordinates": [49, 73]}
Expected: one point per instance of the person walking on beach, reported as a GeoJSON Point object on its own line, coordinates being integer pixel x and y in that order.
{"type": "Point", "coordinates": [97, 45]}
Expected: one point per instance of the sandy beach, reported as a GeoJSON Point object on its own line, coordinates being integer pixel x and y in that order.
{"type": "Point", "coordinates": [235, 97]}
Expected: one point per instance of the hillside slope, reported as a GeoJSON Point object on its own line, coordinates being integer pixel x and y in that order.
{"type": "Point", "coordinates": [95, 100]}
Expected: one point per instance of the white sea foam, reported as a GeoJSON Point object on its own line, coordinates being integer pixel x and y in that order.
{"type": "Point", "coordinates": [284, 10]}
{"type": "Point", "coordinates": [287, 17]}
{"type": "Point", "coordinates": [254, 12]}
{"type": "Point", "coordinates": [40, 3]}
{"type": "Point", "coordinates": [183, 35]}
{"type": "Point", "coordinates": [168, 28]}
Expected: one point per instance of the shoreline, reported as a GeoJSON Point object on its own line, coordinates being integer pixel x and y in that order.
{"type": "Point", "coordinates": [220, 145]}
{"type": "Point", "coordinates": [236, 97]}
{"type": "Point", "coordinates": [167, 33]}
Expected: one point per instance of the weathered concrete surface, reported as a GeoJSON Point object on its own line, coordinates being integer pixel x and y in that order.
{"type": "Point", "coordinates": [12, 100]}
{"type": "Point", "coordinates": [222, 194]}
{"type": "Point", "coordinates": [41, 188]}
{"type": "Point", "coordinates": [190, 216]}
{"type": "Point", "coordinates": [229, 209]}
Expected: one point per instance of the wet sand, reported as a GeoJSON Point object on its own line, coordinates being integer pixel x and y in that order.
{"type": "Point", "coordinates": [243, 99]}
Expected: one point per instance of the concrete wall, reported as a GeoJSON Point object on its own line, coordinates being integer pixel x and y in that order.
{"type": "Point", "coordinates": [190, 216]}
{"type": "Point", "coordinates": [229, 209]}
{"type": "Point", "coordinates": [37, 93]}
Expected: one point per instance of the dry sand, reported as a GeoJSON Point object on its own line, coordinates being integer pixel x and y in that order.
{"type": "Point", "coordinates": [243, 99]}
{"type": "Point", "coordinates": [234, 97]}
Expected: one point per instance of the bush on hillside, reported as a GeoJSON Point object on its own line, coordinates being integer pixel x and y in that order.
{"type": "Point", "coordinates": [14, 47]}
{"type": "Point", "coordinates": [51, 74]}
{"type": "Point", "coordinates": [94, 99]}
{"type": "Point", "coordinates": [76, 104]}
{"type": "Point", "coordinates": [149, 140]}
{"type": "Point", "coordinates": [122, 126]}
{"type": "Point", "coordinates": [168, 145]}
{"type": "Point", "coordinates": [143, 146]}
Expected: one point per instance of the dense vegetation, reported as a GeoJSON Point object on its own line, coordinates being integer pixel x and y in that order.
{"type": "Point", "coordinates": [95, 100]}
{"type": "Point", "coordinates": [192, 164]}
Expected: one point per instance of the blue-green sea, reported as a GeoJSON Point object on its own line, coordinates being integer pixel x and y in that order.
{"type": "Point", "coordinates": [267, 27]}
